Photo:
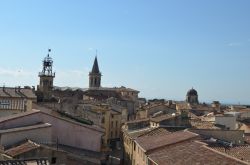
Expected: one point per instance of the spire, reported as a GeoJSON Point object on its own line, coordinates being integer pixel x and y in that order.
{"type": "Point", "coordinates": [95, 68]}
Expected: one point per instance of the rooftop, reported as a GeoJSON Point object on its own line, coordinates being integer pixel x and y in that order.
{"type": "Point", "coordinates": [136, 133]}
{"type": "Point", "coordinates": [69, 88]}
{"type": "Point", "coordinates": [157, 132]}
{"type": "Point", "coordinates": [162, 118]}
{"type": "Point", "coordinates": [17, 92]}
{"type": "Point", "coordinates": [239, 152]}
{"type": "Point", "coordinates": [199, 124]}
{"type": "Point", "coordinates": [148, 143]}
{"type": "Point", "coordinates": [55, 115]}
{"type": "Point", "coordinates": [114, 89]}
{"type": "Point", "coordinates": [95, 68]}
{"type": "Point", "coordinates": [36, 126]}
{"type": "Point", "coordinates": [24, 147]}
{"type": "Point", "coordinates": [191, 152]}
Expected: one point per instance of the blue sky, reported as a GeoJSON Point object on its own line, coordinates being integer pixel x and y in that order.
{"type": "Point", "coordinates": [161, 47]}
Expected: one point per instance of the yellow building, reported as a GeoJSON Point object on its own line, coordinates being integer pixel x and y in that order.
{"type": "Point", "coordinates": [16, 100]}
{"type": "Point", "coordinates": [107, 117]}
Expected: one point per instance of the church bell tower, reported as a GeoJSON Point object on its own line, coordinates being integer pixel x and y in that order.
{"type": "Point", "coordinates": [95, 76]}
{"type": "Point", "coordinates": [46, 77]}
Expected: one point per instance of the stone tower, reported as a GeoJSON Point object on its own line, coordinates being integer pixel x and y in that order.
{"type": "Point", "coordinates": [95, 76]}
{"type": "Point", "coordinates": [192, 97]}
{"type": "Point", "coordinates": [46, 78]}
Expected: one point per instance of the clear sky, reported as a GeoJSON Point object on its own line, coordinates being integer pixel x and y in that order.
{"type": "Point", "coordinates": [160, 47]}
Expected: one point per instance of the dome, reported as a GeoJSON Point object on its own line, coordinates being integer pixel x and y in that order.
{"type": "Point", "coordinates": [192, 92]}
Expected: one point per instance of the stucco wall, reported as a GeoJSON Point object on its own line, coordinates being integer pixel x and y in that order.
{"type": "Point", "coordinates": [227, 121]}
{"type": "Point", "coordinates": [29, 119]}
{"type": "Point", "coordinates": [68, 133]}
{"type": "Point", "coordinates": [73, 134]}
{"type": "Point", "coordinates": [40, 135]}
{"type": "Point", "coordinates": [139, 156]}
{"type": "Point", "coordinates": [245, 115]}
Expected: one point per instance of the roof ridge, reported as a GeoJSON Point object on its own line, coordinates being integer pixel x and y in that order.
{"type": "Point", "coordinates": [181, 141]}
{"type": "Point", "coordinates": [224, 154]}
{"type": "Point", "coordinates": [6, 92]}
{"type": "Point", "coordinates": [148, 132]}
{"type": "Point", "coordinates": [171, 134]}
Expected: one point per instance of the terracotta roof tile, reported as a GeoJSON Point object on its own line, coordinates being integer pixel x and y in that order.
{"type": "Point", "coordinates": [136, 133]}
{"type": "Point", "coordinates": [154, 142]}
{"type": "Point", "coordinates": [239, 152]}
{"type": "Point", "coordinates": [190, 152]}
{"type": "Point", "coordinates": [162, 118]}
{"type": "Point", "coordinates": [22, 148]}
{"type": "Point", "coordinates": [157, 132]}
{"type": "Point", "coordinates": [17, 92]}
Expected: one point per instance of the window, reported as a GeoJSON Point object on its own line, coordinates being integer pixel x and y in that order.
{"type": "Point", "coordinates": [116, 123]}
{"type": "Point", "coordinates": [95, 81]}
{"type": "Point", "coordinates": [111, 134]}
{"type": "Point", "coordinates": [53, 160]}
{"type": "Point", "coordinates": [111, 124]}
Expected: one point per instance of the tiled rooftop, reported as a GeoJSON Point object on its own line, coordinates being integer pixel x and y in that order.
{"type": "Point", "coordinates": [239, 152]}
{"type": "Point", "coordinates": [17, 92]}
{"type": "Point", "coordinates": [136, 133]}
{"type": "Point", "coordinates": [198, 124]}
{"type": "Point", "coordinates": [190, 152]}
{"type": "Point", "coordinates": [22, 148]}
{"type": "Point", "coordinates": [153, 142]}
{"type": "Point", "coordinates": [162, 118]}
{"type": "Point", "coordinates": [137, 121]}
{"type": "Point", "coordinates": [157, 132]}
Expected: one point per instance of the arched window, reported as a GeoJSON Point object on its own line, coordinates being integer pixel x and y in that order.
{"type": "Point", "coordinates": [95, 82]}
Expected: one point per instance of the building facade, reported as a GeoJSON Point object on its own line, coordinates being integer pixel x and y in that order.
{"type": "Point", "coordinates": [16, 100]}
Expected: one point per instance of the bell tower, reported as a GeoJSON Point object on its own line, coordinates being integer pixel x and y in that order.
{"type": "Point", "coordinates": [95, 76]}
{"type": "Point", "coordinates": [46, 77]}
